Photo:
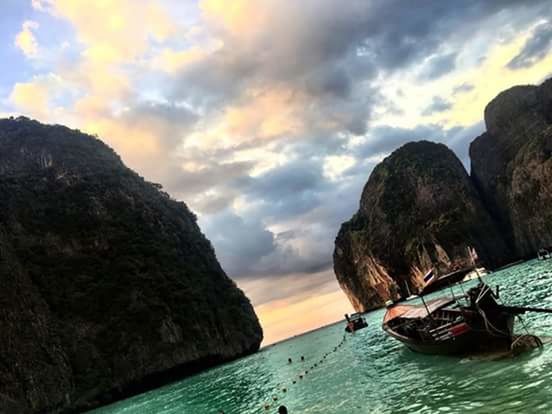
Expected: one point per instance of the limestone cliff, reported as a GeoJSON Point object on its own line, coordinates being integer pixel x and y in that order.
{"type": "Point", "coordinates": [512, 165]}
{"type": "Point", "coordinates": [418, 210]}
{"type": "Point", "coordinates": [108, 285]}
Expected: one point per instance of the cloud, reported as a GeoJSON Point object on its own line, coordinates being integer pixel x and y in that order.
{"type": "Point", "coordinates": [463, 88]}
{"type": "Point", "coordinates": [438, 65]}
{"type": "Point", "coordinates": [235, 238]}
{"type": "Point", "coordinates": [535, 49]}
{"type": "Point", "coordinates": [322, 304]}
{"type": "Point", "coordinates": [289, 209]}
{"type": "Point", "coordinates": [26, 40]}
{"type": "Point", "coordinates": [144, 132]}
{"type": "Point", "coordinates": [32, 97]}
{"type": "Point", "coordinates": [312, 65]}
{"type": "Point", "coordinates": [292, 286]}
{"type": "Point", "coordinates": [113, 30]}
{"type": "Point", "coordinates": [38, 96]}
{"type": "Point", "coordinates": [438, 104]}
{"type": "Point", "coordinates": [207, 178]}
{"type": "Point", "coordinates": [39, 4]}
{"type": "Point", "coordinates": [248, 250]}
{"type": "Point", "coordinates": [385, 139]}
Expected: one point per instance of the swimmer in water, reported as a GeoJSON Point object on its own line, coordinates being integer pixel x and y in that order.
{"type": "Point", "coordinates": [282, 410]}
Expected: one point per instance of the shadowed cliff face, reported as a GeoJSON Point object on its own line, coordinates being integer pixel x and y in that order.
{"type": "Point", "coordinates": [512, 165]}
{"type": "Point", "coordinates": [108, 285]}
{"type": "Point", "coordinates": [418, 210]}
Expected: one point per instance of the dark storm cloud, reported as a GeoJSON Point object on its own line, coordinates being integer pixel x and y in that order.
{"type": "Point", "coordinates": [536, 47]}
{"type": "Point", "coordinates": [438, 104]}
{"type": "Point", "coordinates": [246, 248]}
{"type": "Point", "coordinates": [239, 243]}
{"type": "Point", "coordinates": [294, 192]}
{"type": "Point", "coordinates": [290, 189]}
{"type": "Point", "coordinates": [437, 66]}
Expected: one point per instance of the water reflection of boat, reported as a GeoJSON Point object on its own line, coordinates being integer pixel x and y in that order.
{"type": "Point", "coordinates": [455, 325]}
{"type": "Point", "coordinates": [355, 322]}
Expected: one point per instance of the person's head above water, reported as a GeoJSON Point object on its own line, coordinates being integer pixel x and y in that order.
{"type": "Point", "coordinates": [282, 410]}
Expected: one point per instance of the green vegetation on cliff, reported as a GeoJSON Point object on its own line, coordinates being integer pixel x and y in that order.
{"type": "Point", "coordinates": [418, 210]}
{"type": "Point", "coordinates": [122, 289]}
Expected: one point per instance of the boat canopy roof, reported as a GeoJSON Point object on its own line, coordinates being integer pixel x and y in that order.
{"type": "Point", "coordinates": [416, 311]}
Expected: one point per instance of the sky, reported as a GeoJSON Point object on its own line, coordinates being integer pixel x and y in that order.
{"type": "Point", "coordinates": [267, 116]}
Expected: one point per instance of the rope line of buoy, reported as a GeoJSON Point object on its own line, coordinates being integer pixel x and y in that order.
{"type": "Point", "coordinates": [299, 377]}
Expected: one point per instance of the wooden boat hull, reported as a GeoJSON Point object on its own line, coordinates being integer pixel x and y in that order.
{"type": "Point", "coordinates": [355, 326]}
{"type": "Point", "coordinates": [466, 343]}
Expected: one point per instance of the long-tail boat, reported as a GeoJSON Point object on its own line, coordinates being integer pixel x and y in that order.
{"type": "Point", "coordinates": [463, 324]}
{"type": "Point", "coordinates": [355, 322]}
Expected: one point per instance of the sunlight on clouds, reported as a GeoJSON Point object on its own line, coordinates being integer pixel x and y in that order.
{"type": "Point", "coordinates": [335, 165]}
{"type": "Point", "coordinates": [32, 98]}
{"type": "Point", "coordinates": [259, 115]}
{"type": "Point", "coordinates": [115, 31]}
{"type": "Point", "coordinates": [25, 39]}
{"type": "Point", "coordinates": [36, 97]}
{"type": "Point", "coordinates": [486, 80]}
{"type": "Point", "coordinates": [265, 158]}
{"type": "Point", "coordinates": [107, 83]}
{"type": "Point", "coordinates": [238, 17]}
{"type": "Point", "coordinates": [265, 114]}
{"type": "Point", "coordinates": [492, 78]}
{"type": "Point", "coordinates": [172, 61]}
{"type": "Point", "coordinates": [140, 145]}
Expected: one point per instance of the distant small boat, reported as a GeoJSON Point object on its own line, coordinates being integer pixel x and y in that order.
{"type": "Point", "coordinates": [543, 254]}
{"type": "Point", "coordinates": [355, 322]}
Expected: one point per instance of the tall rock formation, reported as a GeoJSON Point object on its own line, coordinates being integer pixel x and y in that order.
{"type": "Point", "coordinates": [108, 285]}
{"type": "Point", "coordinates": [418, 210]}
{"type": "Point", "coordinates": [512, 165]}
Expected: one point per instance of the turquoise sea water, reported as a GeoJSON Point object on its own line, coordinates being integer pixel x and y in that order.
{"type": "Point", "coordinates": [372, 373]}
